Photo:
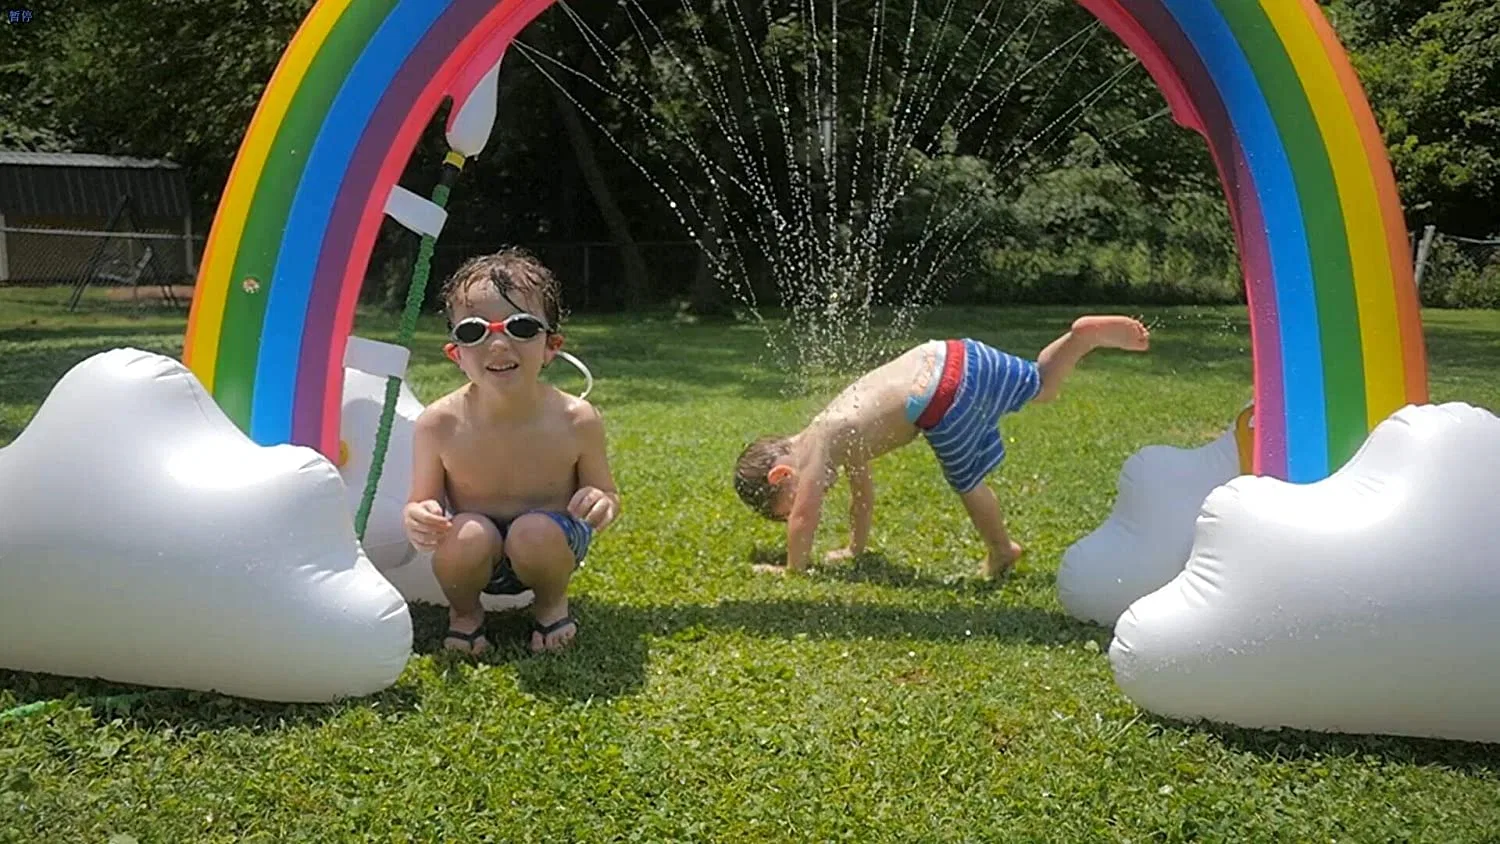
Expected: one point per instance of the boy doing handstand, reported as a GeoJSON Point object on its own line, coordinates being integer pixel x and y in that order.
{"type": "Point", "coordinates": [521, 466]}
{"type": "Point", "coordinates": [953, 392]}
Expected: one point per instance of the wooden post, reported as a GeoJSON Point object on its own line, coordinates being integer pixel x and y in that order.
{"type": "Point", "coordinates": [1423, 250]}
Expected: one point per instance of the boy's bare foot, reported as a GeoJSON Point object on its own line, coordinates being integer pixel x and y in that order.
{"type": "Point", "coordinates": [466, 634]}
{"type": "Point", "coordinates": [552, 628]}
{"type": "Point", "coordinates": [839, 555]}
{"type": "Point", "coordinates": [1114, 332]}
{"type": "Point", "coordinates": [997, 564]}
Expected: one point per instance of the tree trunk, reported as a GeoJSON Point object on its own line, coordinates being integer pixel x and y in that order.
{"type": "Point", "coordinates": [708, 298]}
{"type": "Point", "coordinates": [619, 228]}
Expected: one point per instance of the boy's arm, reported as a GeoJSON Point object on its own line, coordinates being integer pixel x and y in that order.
{"type": "Point", "coordinates": [861, 506]}
{"type": "Point", "coordinates": [423, 518]}
{"type": "Point", "coordinates": [802, 521]}
{"type": "Point", "coordinates": [597, 500]}
{"type": "Point", "coordinates": [428, 480]}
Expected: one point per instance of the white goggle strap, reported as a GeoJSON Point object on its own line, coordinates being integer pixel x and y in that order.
{"type": "Point", "coordinates": [584, 369]}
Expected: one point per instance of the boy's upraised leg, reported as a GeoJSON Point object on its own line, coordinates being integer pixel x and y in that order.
{"type": "Point", "coordinates": [539, 551]}
{"type": "Point", "coordinates": [463, 564]}
{"type": "Point", "coordinates": [1056, 362]}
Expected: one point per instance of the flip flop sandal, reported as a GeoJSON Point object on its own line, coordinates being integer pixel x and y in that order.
{"type": "Point", "coordinates": [548, 629]}
{"type": "Point", "coordinates": [471, 638]}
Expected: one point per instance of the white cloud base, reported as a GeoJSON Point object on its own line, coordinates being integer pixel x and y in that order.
{"type": "Point", "coordinates": [145, 539]}
{"type": "Point", "coordinates": [1366, 603]}
{"type": "Point", "coordinates": [1149, 533]}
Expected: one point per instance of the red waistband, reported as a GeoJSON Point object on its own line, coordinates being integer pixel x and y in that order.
{"type": "Point", "coordinates": [947, 388]}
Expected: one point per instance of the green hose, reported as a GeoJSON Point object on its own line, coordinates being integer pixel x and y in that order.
{"type": "Point", "coordinates": [452, 166]}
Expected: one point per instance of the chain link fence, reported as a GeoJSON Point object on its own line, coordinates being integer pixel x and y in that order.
{"type": "Point", "coordinates": [593, 273]}
{"type": "Point", "coordinates": [158, 264]}
{"type": "Point", "coordinates": [1451, 271]}
{"type": "Point", "coordinates": [110, 265]}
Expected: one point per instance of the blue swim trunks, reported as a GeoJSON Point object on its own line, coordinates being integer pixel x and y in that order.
{"type": "Point", "coordinates": [503, 580]}
{"type": "Point", "coordinates": [960, 413]}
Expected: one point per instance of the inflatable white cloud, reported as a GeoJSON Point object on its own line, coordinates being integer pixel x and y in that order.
{"type": "Point", "coordinates": [1147, 538]}
{"type": "Point", "coordinates": [145, 539]}
{"type": "Point", "coordinates": [367, 363]}
{"type": "Point", "coordinates": [1368, 602]}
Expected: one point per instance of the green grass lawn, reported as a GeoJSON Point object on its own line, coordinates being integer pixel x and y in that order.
{"type": "Point", "coordinates": [895, 698]}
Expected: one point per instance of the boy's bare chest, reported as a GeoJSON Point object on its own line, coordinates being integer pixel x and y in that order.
{"type": "Point", "coordinates": [494, 468]}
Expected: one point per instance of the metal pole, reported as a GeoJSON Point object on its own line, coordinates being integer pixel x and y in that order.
{"type": "Point", "coordinates": [1423, 250]}
{"type": "Point", "coordinates": [187, 245]}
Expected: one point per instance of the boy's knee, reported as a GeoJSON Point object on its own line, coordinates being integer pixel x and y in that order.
{"type": "Point", "coordinates": [535, 541]}
{"type": "Point", "coordinates": [472, 541]}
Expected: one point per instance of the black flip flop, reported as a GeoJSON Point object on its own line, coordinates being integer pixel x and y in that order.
{"type": "Point", "coordinates": [548, 629]}
{"type": "Point", "coordinates": [471, 638]}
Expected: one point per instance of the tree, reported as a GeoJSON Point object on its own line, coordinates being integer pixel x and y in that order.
{"type": "Point", "coordinates": [1432, 72]}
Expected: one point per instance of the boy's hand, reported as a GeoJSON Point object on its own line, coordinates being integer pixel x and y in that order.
{"type": "Point", "coordinates": [595, 506]}
{"type": "Point", "coordinates": [426, 525]}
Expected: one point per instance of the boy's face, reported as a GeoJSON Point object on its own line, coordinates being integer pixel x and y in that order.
{"type": "Point", "coordinates": [500, 361]}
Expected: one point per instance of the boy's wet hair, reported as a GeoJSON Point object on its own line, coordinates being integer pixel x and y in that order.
{"type": "Point", "coordinates": [755, 462]}
{"type": "Point", "coordinates": [513, 271]}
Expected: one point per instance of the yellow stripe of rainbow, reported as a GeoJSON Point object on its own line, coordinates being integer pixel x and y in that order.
{"type": "Point", "coordinates": [201, 345]}
{"type": "Point", "coordinates": [1385, 388]}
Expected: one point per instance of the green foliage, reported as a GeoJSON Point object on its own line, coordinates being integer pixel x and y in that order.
{"type": "Point", "coordinates": [950, 193]}
{"type": "Point", "coordinates": [1089, 232]}
{"type": "Point", "coordinates": [1088, 203]}
{"type": "Point", "coordinates": [1029, 129]}
{"type": "Point", "coordinates": [22, 125]}
{"type": "Point", "coordinates": [1432, 72]}
{"type": "Point", "coordinates": [1462, 275]}
{"type": "Point", "coordinates": [178, 79]}
{"type": "Point", "coordinates": [894, 698]}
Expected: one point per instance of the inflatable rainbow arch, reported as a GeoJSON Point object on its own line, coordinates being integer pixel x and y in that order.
{"type": "Point", "coordinates": [1335, 329]}
{"type": "Point", "coordinates": [290, 243]}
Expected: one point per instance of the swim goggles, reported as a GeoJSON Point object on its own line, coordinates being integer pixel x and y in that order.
{"type": "Point", "coordinates": [521, 326]}
{"type": "Point", "coordinates": [475, 330]}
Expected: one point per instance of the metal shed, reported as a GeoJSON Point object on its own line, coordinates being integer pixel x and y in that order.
{"type": "Point", "coordinates": [61, 211]}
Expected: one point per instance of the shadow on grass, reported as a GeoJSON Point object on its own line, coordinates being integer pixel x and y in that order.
{"type": "Point", "coordinates": [875, 568]}
{"type": "Point", "coordinates": [1290, 745]}
{"type": "Point", "coordinates": [1461, 353]}
{"type": "Point", "coordinates": [192, 711]}
{"type": "Point", "coordinates": [608, 659]}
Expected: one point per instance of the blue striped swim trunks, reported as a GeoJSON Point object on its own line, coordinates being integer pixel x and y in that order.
{"type": "Point", "coordinates": [960, 418]}
{"type": "Point", "coordinates": [503, 579]}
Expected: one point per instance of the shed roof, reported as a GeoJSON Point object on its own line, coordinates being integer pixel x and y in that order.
{"type": "Point", "coordinates": [83, 159]}
{"type": "Point", "coordinates": [85, 185]}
